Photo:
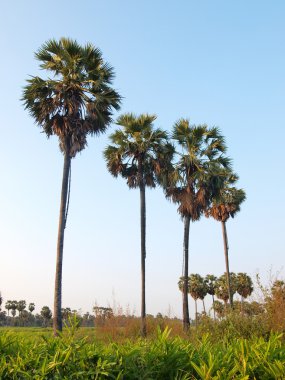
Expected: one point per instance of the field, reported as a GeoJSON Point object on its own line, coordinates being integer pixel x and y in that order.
{"type": "Point", "coordinates": [82, 353]}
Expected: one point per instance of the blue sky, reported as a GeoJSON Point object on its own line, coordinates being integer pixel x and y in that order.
{"type": "Point", "coordinates": [215, 62]}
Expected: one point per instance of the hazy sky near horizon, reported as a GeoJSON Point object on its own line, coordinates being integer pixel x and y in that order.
{"type": "Point", "coordinates": [216, 62]}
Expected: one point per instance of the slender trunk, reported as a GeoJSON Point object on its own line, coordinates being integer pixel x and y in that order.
{"type": "Point", "coordinates": [226, 252]}
{"type": "Point", "coordinates": [57, 318]}
{"type": "Point", "coordinates": [196, 314]}
{"type": "Point", "coordinates": [204, 306]}
{"type": "Point", "coordinates": [143, 249]}
{"type": "Point", "coordinates": [214, 307]}
{"type": "Point", "coordinates": [242, 310]}
{"type": "Point", "coordinates": [186, 320]}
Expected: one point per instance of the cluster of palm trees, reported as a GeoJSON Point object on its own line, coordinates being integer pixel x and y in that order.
{"type": "Point", "coordinates": [199, 287]}
{"type": "Point", "coordinates": [189, 164]}
{"type": "Point", "coordinates": [19, 306]}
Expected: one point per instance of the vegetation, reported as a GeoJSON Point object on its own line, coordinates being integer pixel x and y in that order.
{"type": "Point", "coordinates": [245, 343]}
{"type": "Point", "coordinates": [163, 357]}
{"type": "Point", "coordinates": [78, 101]}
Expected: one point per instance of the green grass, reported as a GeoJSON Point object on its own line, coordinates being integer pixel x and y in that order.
{"type": "Point", "coordinates": [34, 354]}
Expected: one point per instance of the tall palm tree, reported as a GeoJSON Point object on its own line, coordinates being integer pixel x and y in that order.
{"type": "Point", "coordinates": [76, 102]}
{"type": "Point", "coordinates": [139, 153]}
{"type": "Point", "coordinates": [226, 205]}
{"type": "Point", "coordinates": [195, 180]}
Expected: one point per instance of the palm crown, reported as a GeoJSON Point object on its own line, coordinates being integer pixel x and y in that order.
{"type": "Point", "coordinates": [200, 169]}
{"type": "Point", "coordinates": [138, 151]}
{"type": "Point", "coordinates": [78, 100]}
{"type": "Point", "coordinates": [228, 201]}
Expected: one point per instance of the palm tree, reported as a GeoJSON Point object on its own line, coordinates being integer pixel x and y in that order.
{"type": "Point", "coordinates": [8, 306]}
{"type": "Point", "coordinates": [244, 287]}
{"type": "Point", "coordinates": [31, 307]}
{"type": "Point", "coordinates": [197, 290]}
{"type": "Point", "coordinates": [222, 289]}
{"type": "Point", "coordinates": [139, 153]}
{"type": "Point", "coordinates": [211, 287]}
{"type": "Point", "coordinates": [195, 180]}
{"type": "Point", "coordinates": [14, 306]}
{"type": "Point", "coordinates": [21, 305]}
{"type": "Point", "coordinates": [1, 300]}
{"type": "Point", "coordinates": [218, 308]}
{"type": "Point", "coordinates": [226, 205]}
{"type": "Point", "coordinates": [46, 314]}
{"type": "Point", "coordinates": [78, 101]}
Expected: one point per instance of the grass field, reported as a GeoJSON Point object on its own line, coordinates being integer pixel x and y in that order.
{"type": "Point", "coordinates": [81, 353]}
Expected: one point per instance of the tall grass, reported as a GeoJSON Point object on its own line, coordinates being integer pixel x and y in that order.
{"type": "Point", "coordinates": [163, 357]}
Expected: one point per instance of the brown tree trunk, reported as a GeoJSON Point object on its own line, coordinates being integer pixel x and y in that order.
{"type": "Point", "coordinates": [226, 252]}
{"type": "Point", "coordinates": [57, 318]}
{"type": "Point", "coordinates": [196, 314]}
{"type": "Point", "coordinates": [143, 249]}
{"type": "Point", "coordinates": [186, 320]}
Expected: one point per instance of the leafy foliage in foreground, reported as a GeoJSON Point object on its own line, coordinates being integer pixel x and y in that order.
{"type": "Point", "coordinates": [162, 358]}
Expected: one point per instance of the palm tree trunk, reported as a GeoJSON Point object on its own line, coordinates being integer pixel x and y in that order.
{"type": "Point", "coordinates": [214, 306]}
{"type": "Point", "coordinates": [143, 249]}
{"type": "Point", "coordinates": [226, 252]}
{"type": "Point", "coordinates": [186, 320]}
{"type": "Point", "coordinates": [57, 318]}
{"type": "Point", "coordinates": [204, 306]}
{"type": "Point", "coordinates": [196, 314]}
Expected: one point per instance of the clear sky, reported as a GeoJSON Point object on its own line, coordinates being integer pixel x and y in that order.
{"type": "Point", "coordinates": [216, 62]}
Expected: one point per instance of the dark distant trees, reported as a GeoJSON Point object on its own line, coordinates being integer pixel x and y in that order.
{"type": "Point", "coordinates": [46, 314]}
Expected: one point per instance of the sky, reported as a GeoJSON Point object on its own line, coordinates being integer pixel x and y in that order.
{"type": "Point", "coordinates": [216, 62]}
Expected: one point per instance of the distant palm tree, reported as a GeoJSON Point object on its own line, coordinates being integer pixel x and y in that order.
{"type": "Point", "coordinates": [8, 306]}
{"type": "Point", "coordinates": [218, 308]}
{"type": "Point", "coordinates": [195, 180]}
{"type": "Point", "coordinates": [78, 101]}
{"type": "Point", "coordinates": [224, 206]}
{"type": "Point", "coordinates": [1, 300]}
{"type": "Point", "coordinates": [31, 307]}
{"type": "Point", "coordinates": [46, 314]}
{"type": "Point", "coordinates": [244, 286]}
{"type": "Point", "coordinates": [197, 290]}
{"type": "Point", "coordinates": [14, 306]}
{"type": "Point", "coordinates": [211, 287]}
{"type": "Point", "coordinates": [139, 153]}
{"type": "Point", "coordinates": [21, 305]}
{"type": "Point", "coordinates": [222, 290]}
